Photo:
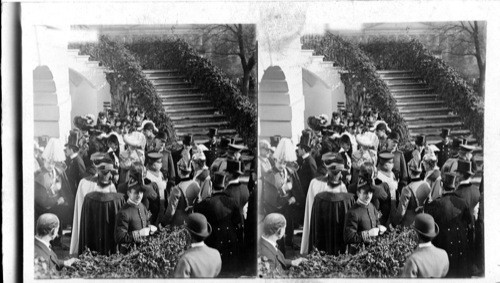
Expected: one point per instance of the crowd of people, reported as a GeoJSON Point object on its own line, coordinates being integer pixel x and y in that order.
{"type": "Point", "coordinates": [118, 179]}
{"type": "Point", "coordinates": [346, 182]}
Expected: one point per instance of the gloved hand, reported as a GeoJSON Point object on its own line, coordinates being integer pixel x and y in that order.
{"type": "Point", "coordinates": [373, 232]}
{"type": "Point", "coordinates": [382, 229]}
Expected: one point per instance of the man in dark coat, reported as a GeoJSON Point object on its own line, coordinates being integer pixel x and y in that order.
{"type": "Point", "coordinates": [362, 222]}
{"type": "Point", "coordinates": [308, 169]}
{"type": "Point", "coordinates": [224, 216]}
{"type": "Point", "coordinates": [237, 190]}
{"type": "Point", "coordinates": [399, 169]}
{"type": "Point", "coordinates": [75, 170]}
{"type": "Point", "coordinates": [451, 214]}
{"type": "Point", "coordinates": [167, 167]}
{"type": "Point", "coordinates": [47, 226]}
{"type": "Point", "coordinates": [132, 222]}
{"type": "Point", "coordinates": [444, 147]}
{"type": "Point", "coordinates": [274, 230]}
{"type": "Point", "coordinates": [466, 190]}
{"type": "Point", "coordinates": [213, 146]}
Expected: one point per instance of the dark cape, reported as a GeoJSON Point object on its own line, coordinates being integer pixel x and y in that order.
{"type": "Point", "coordinates": [327, 221]}
{"type": "Point", "coordinates": [98, 222]}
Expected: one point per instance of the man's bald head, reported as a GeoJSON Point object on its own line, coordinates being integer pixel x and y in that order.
{"type": "Point", "coordinates": [46, 223]}
{"type": "Point", "coordinates": [273, 223]}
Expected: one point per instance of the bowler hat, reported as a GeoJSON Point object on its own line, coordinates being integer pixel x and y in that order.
{"type": "Point", "coordinates": [219, 180]}
{"type": "Point", "coordinates": [212, 132]}
{"type": "Point", "coordinates": [464, 167]}
{"type": "Point", "coordinates": [424, 225]}
{"type": "Point", "coordinates": [445, 132]}
{"type": "Point", "coordinates": [449, 181]}
{"type": "Point", "coordinates": [234, 166]}
{"type": "Point", "coordinates": [197, 224]}
{"type": "Point", "coordinates": [275, 140]}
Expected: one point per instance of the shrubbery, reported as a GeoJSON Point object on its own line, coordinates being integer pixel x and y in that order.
{"type": "Point", "coordinates": [384, 257]}
{"type": "Point", "coordinates": [362, 83]}
{"type": "Point", "coordinates": [455, 91]}
{"type": "Point", "coordinates": [177, 54]}
{"type": "Point", "coordinates": [154, 258]}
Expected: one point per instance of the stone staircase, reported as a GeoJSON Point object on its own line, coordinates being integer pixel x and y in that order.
{"type": "Point", "coordinates": [91, 70]}
{"type": "Point", "coordinates": [422, 109]}
{"type": "Point", "coordinates": [191, 110]}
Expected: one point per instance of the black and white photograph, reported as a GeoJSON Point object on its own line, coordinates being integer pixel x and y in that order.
{"type": "Point", "coordinates": [250, 140]}
{"type": "Point", "coordinates": [144, 145]}
{"type": "Point", "coordinates": [371, 151]}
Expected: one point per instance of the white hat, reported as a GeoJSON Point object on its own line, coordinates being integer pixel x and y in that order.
{"type": "Point", "coordinates": [147, 122]}
{"type": "Point", "coordinates": [54, 151]}
{"type": "Point", "coordinates": [264, 144]}
{"type": "Point", "coordinates": [378, 122]}
{"type": "Point", "coordinates": [430, 156]}
{"type": "Point", "coordinates": [432, 148]}
{"type": "Point", "coordinates": [364, 140]}
{"type": "Point", "coordinates": [134, 139]}
{"type": "Point", "coordinates": [285, 151]}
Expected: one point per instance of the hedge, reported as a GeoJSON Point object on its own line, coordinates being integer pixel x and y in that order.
{"type": "Point", "coordinates": [177, 54]}
{"type": "Point", "coordinates": [128, 82]}
{"type": "Point", "coordinates": [454, 90]}
{"type": "Point", "coordinates": [361, 81]}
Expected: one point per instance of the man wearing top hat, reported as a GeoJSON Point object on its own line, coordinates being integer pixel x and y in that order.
{"type": "Point", "coordinates": [444, 147]}
{"type": "Point", "coordinates": [227, 222]}
{"type": "Point", "coordinates": [308, 169]}
{"type": "Point", "coordinates": [466, 190]}
{"type": "Point", "coordinates": [75, 170]}
{"type": "Point", "coordinates": [413, 197]}
{"type": "Point", "coordinates": [183, 196]}
{"type": "Point", "coordinates": [427, 261]}
{"type": "Point", "coordinates": [465, 153]}
{"type": "Point", "coordinates": [167, 162]}
{"type": "Point", "coordinates": [199, 261]}
{"type": "Point", "coordinates": [400, 170]}
{"type": "Point", "coordinates": [213, 146]}
{"type": "Point", "coordinates": [331, 182]}
{"type": "Point", "coordinates": [103, 183]}
{"type": "Point", "coordinates": [237, 190]}
{"type": "Point", "coordinates": [233, 153]}
{"type": "Point", "coordinates": [452, 214]}
{"type": "Point", "coordinates": [132, 222]}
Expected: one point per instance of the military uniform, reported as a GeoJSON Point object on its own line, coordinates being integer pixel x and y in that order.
{"type": "Point", "coordinates": [444, 153]}
{"type": "Point", "coordinates": [412, 197]}
{"type": "Point", "coordinates": [130, 218]}
{"type": "Point", "coordinates": [359, 218]}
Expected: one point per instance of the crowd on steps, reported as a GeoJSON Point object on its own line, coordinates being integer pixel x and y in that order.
{"type": "Point", "coordinates": [347, 182]}
{"type": "Point", "coordinates": [117, 179]}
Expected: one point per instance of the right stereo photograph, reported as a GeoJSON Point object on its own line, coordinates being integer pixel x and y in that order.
{"type": "Point", "coordinates": [370, 153]}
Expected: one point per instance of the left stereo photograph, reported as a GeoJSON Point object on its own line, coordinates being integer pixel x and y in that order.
{"type": "Point", "coordinates": [144, 150]}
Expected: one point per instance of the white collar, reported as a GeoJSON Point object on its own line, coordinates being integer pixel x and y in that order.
{"type": "Point", "coordinates": [424, 245]}
{"type": "Point", "coordinates": [74, 155]}
{"type": "Point", "coordinates": [199, 244]}
{"type": "Point", "coordinates": [235, 181]}
{"type": "Point", "coordinates": [464, 182]}
{"type": "Point", "coordinates": [273, 244]}
{"type": "Point", "coordinates": [132, 202]}
{"type": "Point", "coordinates": [43, 242]}
{"type": "Point", "coordinates": [306, 155]}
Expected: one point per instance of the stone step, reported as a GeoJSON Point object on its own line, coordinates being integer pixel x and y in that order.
{"type": "Point", "coordinates": [173, 76]}
{"type": "Point", "coordinates": [169, 82]}
{"type": "Point", "coordinates": [164, 71]}
{"type": "Point", "coordinates": [449, 125]}
{"type": "Point", "coordinates": [424, 111]}
{"type": "Point", "coordinates": [411, 90]}
{"type": "Point", "coordinates": [197, 117]}
{"type": "Point", "coordinates": [433, 103]}
{"type": "Point", "coordinates": [169, 89]}
{"type": "Point", "coordinates": [431, 119]}
{"type": "Point", "coordinates": [204, 125]}
{"type": "Point", "coordinates": [405, 84]}
{"type": "Point", "coordinates": [199, 110]}
{"type": "Point", "coordinates": [200, 135]}
{"type": "Point", "coordinates": [185, 103]}
{"type": "Point", "coordinates": [82, 58]}
{"type": "Point", "coordinates": [385, 72]}
{"type": "Point", "coordinates": [407, 78]}
{"type": "Point", "coordinates": [73, 52]}
{"type": "Point", "coordinates": [421, 96]}
{"type": "Point", "coordinates": [181, 96]}
{"type": "Point", "coordinates": [437, 132]}
{"type": "Point", "coordinates": [171, 85]}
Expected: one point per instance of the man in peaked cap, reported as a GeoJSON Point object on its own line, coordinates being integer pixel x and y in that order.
{"type": "Point", "coordinates": [466, 190]}
{"type": "Point", "coordinates": [154, 178]}
{"type": "Point", "coordinates": [308, 169]}
{"type": "Point", "coordinates": [331, 182]}
{"type": "Point", "coordinates": [451, 214]}
{"type": "Point", "coordinates": [233, 152]}
{"type": "Point", "coordinates": [426, 261]}
{"type": "Point", "coordinates": [444, 147]}
{"type": "Point", "coordinates": [103, 183]}
{"type": "Point", "coordinates": [227, 222]}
